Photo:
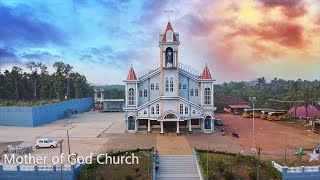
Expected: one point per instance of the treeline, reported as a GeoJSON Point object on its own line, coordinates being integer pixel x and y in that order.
{"type": "Point", "coordinates": [39, 84]}
{"type": "Point", "coordinates": [113, 91]}
{"type": "Point", "coordinates": [278, 93]}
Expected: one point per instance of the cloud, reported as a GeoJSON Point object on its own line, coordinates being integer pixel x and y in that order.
{"type": "Point", "coordinates": [20, 27]}
{"type": "Point", "coordinates": [8, 56]}
{"type": "Point", "coordinates": [151, 11]}
{"type": "Point", "coordinates": [40, 56]}
{"type": "Point", "coordinates": [290, 8]}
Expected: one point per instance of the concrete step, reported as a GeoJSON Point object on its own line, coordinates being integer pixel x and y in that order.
{"type": "Point", "coordinates": [177, 168]}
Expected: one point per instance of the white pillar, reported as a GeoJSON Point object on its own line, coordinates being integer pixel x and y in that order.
{"type": "Point", "coordinates": [149, 125]}
{"type": "Point", "coordinates": [178, 129]}
{"type": "Point", "coordinates": [190, 125]}
{"type": "Point", "coordinates": [161, 125]}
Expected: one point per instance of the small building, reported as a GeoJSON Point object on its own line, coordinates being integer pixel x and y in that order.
{"type": "Point", "coordinates": [232, 105]}
{"type": "Point", "coordinates": [303, 114]}
{"type": "Point", "coordinates": [111, 105]}
{"type": "Point", "coordinates": [98, 94]}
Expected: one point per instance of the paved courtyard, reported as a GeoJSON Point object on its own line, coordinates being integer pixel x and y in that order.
{"type": "Point", "coordinates": [95, 132]}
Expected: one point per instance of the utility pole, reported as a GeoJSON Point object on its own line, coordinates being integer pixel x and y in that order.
{"type": "Point", "coordinates": [61, 160]}
{"type": "Point", "coordinates": [68, 141]}
{"type": "Point", "coordinates": [253, 99]}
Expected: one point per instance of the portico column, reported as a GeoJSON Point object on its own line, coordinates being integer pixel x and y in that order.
{"type": "Point", "coordinates": [161, 125]}
{"type": "Point", "coordinates": [178, 129]}
{"type": "Point", "coordinates": [190, 130]}
{"type": "Point", "coordinates": [149, 131]}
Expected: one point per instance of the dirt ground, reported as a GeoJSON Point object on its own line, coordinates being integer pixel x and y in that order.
{"type": "Point", "coordinates": [271, 137]}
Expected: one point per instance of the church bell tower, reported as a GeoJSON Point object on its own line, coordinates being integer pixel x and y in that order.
{"type": "Point", "coordinates": [168, 43]}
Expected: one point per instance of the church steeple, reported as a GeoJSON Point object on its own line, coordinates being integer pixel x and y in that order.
{"type": "Point", "coordinates": [171, 33]}
{"type": "Point", "coordinates": [206, 73]}
{"type": "Point", "coordinates": [131, 75]}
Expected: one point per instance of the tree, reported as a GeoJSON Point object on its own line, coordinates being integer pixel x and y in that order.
{"type": "Point", "coordinates": [295, 93]}
{"type": "Point", "coordinates": [307, 99]}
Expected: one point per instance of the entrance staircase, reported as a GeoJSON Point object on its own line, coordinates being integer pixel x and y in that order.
{"type": "Point", "coordinates": [177, 167]}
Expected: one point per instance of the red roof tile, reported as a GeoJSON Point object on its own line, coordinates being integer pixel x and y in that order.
{"type": "Point", "coordinates": [206, 73]}
{"type": "Point", "coordinates": [244, 106]}
{"type": "Point", "coordinates": [169, 27]}
{"type": "Point", "coordinates": [131, 75]}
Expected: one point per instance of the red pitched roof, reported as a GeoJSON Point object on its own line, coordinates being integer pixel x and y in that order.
{"type": "Point", "coordinates": [301, 111]}
{"type": "Point", "coordinates": [169, 27]}
{"type": "Point", "coordinates": [131, 75]}
{"type": "Point", "coordinates": [244, 106]}
{"type": "Point", "coordinates": [206, 73]}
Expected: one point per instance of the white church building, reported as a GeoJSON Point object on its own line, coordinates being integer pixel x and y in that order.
{"type": "Point", "coordinates": [170, 97]}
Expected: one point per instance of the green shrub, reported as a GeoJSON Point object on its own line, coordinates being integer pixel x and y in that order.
{"type": "Point", "coordinates": [253, 175]}
{"type": "Point", "coordinates": [228, 175]}
{"type": "Point", "coordinates": [128, 177]}
{"type": "Point", "coordinates": [220, 165]}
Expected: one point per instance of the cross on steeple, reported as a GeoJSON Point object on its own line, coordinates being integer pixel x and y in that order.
{"type": "Point", "coordinates": [168, 13]}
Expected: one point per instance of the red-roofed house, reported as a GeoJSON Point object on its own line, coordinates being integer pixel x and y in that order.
{"type": "Point", "coordinates": [232, 105]}
{"type": "Point", "coordinates": [302, 113]}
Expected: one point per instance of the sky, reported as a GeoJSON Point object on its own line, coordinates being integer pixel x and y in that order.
{"type": "Point", "coordinates": [238, 39]}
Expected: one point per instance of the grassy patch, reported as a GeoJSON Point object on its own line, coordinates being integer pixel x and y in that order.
{"type": "Point", "coordinates": [121, 171]}
{"type": "Point", "coordinates": [223, 165]}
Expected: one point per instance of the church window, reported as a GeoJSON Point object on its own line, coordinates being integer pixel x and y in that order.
{"type": "Point", "coordinates": [207, 96]}
{"type": "Point", "coordinates": [157, 109]}
{"type": "Point", "coordinates": [186, 110]}
{"type": "Point", "coordinates": [131, 123]}
{"type": "Point", "coordinates": [193, 111]}
{"type": "Point", "coordinates": [167, 84]}
{"type": "Point", "coordinates": [152, 110]}
{"type": "Point", "coordinates": [179, 85]}
{"type": "Point", "coordinates": [140, 93]}
{"type": "Point", "coordinates": [184, 86]}
{"type": "Point", "coordinates": [169, 36]}
{"type": "Point", "coordinates": [181, 108]}
{"type": "Point", "coordinates": [145, 93]}
{"type": "Point", "coordinates": [171, 84]}
{"type": "Point", "coordinates": [131, 97]}
{"type": "Point", "coordinates": [191, 92]}
{"type": "Point", "coordinates": [145, 112]}
{"type": "Point", "coordinates": [152, 86]}
{"type": "Point", "coordinates": [196, 93]}
{"type": "Point", "coordinates": [157, 86]}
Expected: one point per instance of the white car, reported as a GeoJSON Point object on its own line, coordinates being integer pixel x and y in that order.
{"type": "Point", "coordinates": [46, 143]}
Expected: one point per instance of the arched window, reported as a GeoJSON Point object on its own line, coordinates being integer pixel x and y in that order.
{"type": "Point", "coordinates": [186, 110]}
{"type": "Point", "coordinates": [179, 85]}
{"type": "Point", "coordinates": [145, 112]}
{"type": "Point", "coordinates": [171, 84]}
{"type": "Point", "coordinates": [193, 111]}
{"type": "Point", "coordinates": [169, 57]}
{"type": "Point", "coordinates": [196, 93]}
{"type": "Point", "coordinates": [191, 92]}
{"type": "Point", "coordinates": [152, 110]}
{"type": "Point", "coordinates": [184, 86]}
{"type": "Point", "coordinates": [152, 86]}
{"type": "Point", "coordinates": [207, 96]}
{"type": "Point", "coordinates": [145, 93]}
{"type": "Point", "coordinates": [157, 86]}
{"type": "Point", "coordinates": [131, 97]}
{"type": "Point", "coordinates": [181, 108]}
{"type": "Point", "coordinates": [140, 93]}
{"type": "Point", "coordinates": [167, 84]}
{"type": "Point", "coordinates": [157, 109]}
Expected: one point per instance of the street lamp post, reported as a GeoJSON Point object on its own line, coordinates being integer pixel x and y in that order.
{"type": "Point", "coordinates": [253, 99]}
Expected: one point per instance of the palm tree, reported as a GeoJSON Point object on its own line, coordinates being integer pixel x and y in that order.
{"type": "Point", "coordinates": [307, 99]}
{"type": "Point", "coordinates": [295, 93]}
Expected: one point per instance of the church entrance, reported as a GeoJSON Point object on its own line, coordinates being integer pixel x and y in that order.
{"type": "Point", "coordinates": [170, 126]}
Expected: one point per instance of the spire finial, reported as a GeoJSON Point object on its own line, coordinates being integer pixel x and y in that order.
{"type": "Point", "coordinates": [168, 13]}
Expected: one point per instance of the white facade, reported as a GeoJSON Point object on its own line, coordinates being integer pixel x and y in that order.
{"type": "Point", "coordinates": [170, 98]}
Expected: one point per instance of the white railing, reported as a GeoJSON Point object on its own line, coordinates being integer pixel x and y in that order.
{"type": "Point", "coordinates": [148, 70]}
{"type": "Point", "coordinates": [301, 169]}
{"type": "Point", "coordinates": [277, 166]}
{"type": "Point", "coordinates": [189, 69]}
{"type": "Point", "coordinates": [294, 170]}
{"type": "Point", "coordinates": [9, 168]}
{"type": "Point", "coordinates": [65, 167]}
